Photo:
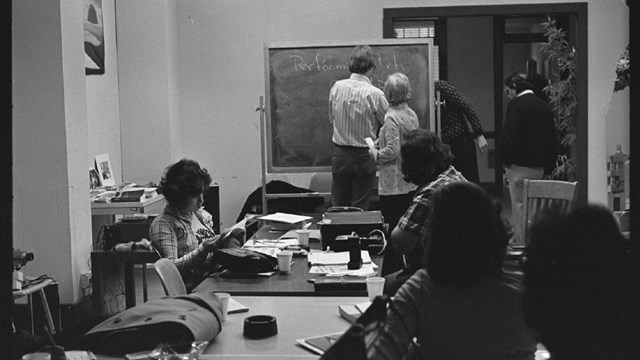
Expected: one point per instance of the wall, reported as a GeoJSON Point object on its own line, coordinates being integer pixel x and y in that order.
{"type": "Point", "coordinates": [50, 137]}
{"type": "Point", "coordinates": [103, 107]}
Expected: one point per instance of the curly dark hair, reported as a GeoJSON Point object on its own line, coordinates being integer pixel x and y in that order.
{"type": "Point", "coordinates": [424, 156]}
{"type": "Point", "coordinates": [519, 82]}
{"type": "Point", "coordinates": [465, 240]}
{"type": "Point", "coordinates": [581, 287]}
{"type": "Point", "coordinates": [361, 59]}
{"type": "Point", "coordinates": [183, 180]}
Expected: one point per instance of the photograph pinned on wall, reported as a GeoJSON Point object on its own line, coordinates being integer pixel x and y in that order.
{"type": "Point", "coordinates": [93, 37]}
{"type": "Point", "coordinates": [94, 179]}
{"type": "Point", "coordinates": [103, 165]}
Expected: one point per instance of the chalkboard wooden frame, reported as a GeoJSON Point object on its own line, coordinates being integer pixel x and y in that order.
{"type": "Point", "coordinates": [298, 132]}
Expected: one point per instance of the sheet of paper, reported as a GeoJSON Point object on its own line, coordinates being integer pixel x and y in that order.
{"type": "Point", "coordinates": [335, 258]}
{"type": "Point", "coordinates": [291, 234]}
{"type": "Point", "coordinates": [270, 243]}
{"type": "Point", "coordinates": [370, 143]}
{"type": "Point", "coordinates": [341, 270]}
{"type": "Point", "coordinates": [285, 218]}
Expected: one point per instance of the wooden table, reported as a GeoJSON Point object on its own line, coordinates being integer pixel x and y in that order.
{"type": "Point", "coordinates": [298, 282]}
{"type": "Point", "coordinates": [296, 317]}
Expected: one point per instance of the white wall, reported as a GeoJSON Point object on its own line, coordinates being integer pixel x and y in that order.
{"type": "Point", "coordinates": [50, 137]}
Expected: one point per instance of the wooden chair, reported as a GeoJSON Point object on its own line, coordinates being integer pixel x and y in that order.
{"type": "Point", "coordinates": [170, 277]}
{"type": "Point", "coordinates": [539, 195]}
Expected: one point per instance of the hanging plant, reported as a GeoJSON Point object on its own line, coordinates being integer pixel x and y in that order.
{"type": "Point", "coordinates": [623, 71]}
{"type": "Point", "coordinates": [561, 94]}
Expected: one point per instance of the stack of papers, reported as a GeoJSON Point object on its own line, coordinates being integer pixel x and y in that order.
{"type": "Point", "coordinates": [335, 264]}
{"type": "Point", "coordinates": [284, 221]}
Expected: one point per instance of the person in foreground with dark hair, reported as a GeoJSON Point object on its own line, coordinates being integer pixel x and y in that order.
{"type": "Point", "coordinates": [356, 112]}
{"type": "Point", "coordinates": [426, 162]}
{"type": "Point", "coordinates": [582, 286]}
{"type": "Point", "coordinates": [184, 231]}
{"type": "Point", "coordinates": [462, 306]}
{"type": "Point", "coordinates": [529, 146]}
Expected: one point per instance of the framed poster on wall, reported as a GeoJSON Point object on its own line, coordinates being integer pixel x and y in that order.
{"type": "Point", "coordinates": [93, 37]}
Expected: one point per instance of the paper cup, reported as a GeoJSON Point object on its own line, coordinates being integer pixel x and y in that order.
{"type": "Point", "coordinates": [224, 299]}
{"type": "Point", "coordinates": [303, 237]}
{"type": "Point", "coordinates": [375, 285]}
{"type": "Point", "coordinates": [284, 260]}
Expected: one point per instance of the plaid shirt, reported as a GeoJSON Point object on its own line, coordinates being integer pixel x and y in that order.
{"type": "Point", "coordinates": [415, 218]}
{"type": "Point", "coordinates": [172, 234]}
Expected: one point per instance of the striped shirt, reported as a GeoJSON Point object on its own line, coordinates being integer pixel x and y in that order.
{"type": "Point", "coordinates": [356, 110]}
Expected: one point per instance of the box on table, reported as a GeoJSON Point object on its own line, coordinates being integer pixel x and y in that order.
{"type": "Point", "coordinates": [344, 223]}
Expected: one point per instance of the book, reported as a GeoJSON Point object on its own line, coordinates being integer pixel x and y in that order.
{"type": "Point", "coordinates": [320, 344]}
{"type": "Point", "coordinates": [351, 312]}
{"type": "Point", "coordinates": [130, 195]}
{"type": "Point", "coordinates": [235, 307]}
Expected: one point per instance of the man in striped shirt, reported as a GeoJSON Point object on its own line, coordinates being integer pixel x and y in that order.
{"type": "Point", "coordinates": [356, 112]}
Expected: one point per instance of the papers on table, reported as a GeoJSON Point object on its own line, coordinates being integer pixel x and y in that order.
{"type": "Point", "coordinates": [266, 243]}
{"type": "Point", "coordinates": [335, 258]}
{"type": "Point", "coordinates": [335, 264]}
{"type": "Point", "coordinates": [285, 218]}
{"type": "Point", "coordinates": [291, 234]}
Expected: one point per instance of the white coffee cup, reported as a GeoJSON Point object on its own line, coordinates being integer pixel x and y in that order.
{"type": "Point", "coordinates": [375, 285]}
{"type": "Point", "coordinates": [284, 260]}
{"type": "Point", "coordinates": [224, 299]}
{"type": "Point", "coordinates": [303, 237]}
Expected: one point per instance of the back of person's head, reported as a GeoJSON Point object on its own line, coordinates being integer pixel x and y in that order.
{"type": "Point", "coordinates": [424, 156]}
{"type": "Point", "coordinates": [397, 89]}
{"type": "Point", "coordinates": [361, 59]}
{"type": "Point", "coordinates": [519, 82]}
{"type": "Point", "coordinates": [466, 238]}
{"type": "Point", "coordinates": [182, 180]}
{"type": "Point", "coordinates": [582, 286]}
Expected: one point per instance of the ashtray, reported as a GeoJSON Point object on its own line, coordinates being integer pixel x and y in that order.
{"type": "Point", "coordinates": [260, 326]}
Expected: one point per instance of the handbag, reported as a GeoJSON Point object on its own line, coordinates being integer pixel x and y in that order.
{"type": "Point", "coordinates": [352, 345]}
{"type": "Point", "coordinates": [242, 260]}
{"type": "Point", "coordinates": [174, 320]}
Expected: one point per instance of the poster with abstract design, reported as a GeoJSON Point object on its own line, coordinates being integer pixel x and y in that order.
{"type": "Point", "coordinates": [93, 37]}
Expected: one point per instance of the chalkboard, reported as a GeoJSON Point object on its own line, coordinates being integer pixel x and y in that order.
{"type": "Point", "coordinates": [298, 79]}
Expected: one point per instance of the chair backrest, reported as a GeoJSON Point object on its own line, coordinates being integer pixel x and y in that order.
{"type": "Point", "coordinates": [539, 195]}
{"type": "Point", "coordinates": [170, 277]}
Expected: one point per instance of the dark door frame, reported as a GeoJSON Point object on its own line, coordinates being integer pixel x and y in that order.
{"type": "Point", "coordinates": [577, 10]}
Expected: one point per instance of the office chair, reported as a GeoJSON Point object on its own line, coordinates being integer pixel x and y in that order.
{"type": "Point", "coordinates": [539, 195]}
{"type": "Point", "coordinates": [170, 277]}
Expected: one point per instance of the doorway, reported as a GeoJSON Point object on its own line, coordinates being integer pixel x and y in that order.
{"type": "Point", "coordinates": [478, 46]}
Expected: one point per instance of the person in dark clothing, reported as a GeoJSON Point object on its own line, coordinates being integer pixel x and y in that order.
{"type": "Point", "coordinates": [529, 145]}
{"type": "Point", "coordinates": [457, 116]}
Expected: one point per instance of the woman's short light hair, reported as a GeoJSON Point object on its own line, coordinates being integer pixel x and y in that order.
{"type": "Point", "coordinates": [397, 89]}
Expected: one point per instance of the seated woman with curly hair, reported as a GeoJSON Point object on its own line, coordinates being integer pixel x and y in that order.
{"type": "Point", "coordinates": [184, 231]}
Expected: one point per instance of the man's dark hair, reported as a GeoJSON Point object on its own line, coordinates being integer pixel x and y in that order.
{"type": "Point", "coordinates": [519, 82]}
{"type": "Point", "coordinates": [582, 286]}
{"type": "Point", "coordinates": [424, 156]}
{"type": "Point", "coordinates": [466, 239]}
{"type": "Point", "coordinates": [361, 59]}
{"type": "Point", "coordinates": [182, 180]}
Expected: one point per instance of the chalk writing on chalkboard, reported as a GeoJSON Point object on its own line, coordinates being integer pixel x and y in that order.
{"type": "Point", "coordinates": [299, 77]}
